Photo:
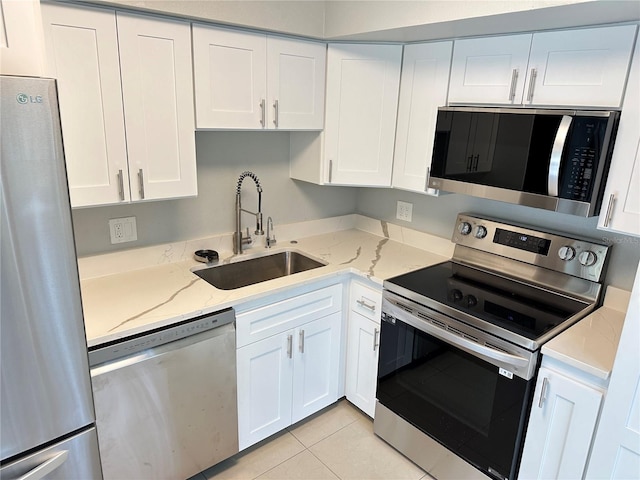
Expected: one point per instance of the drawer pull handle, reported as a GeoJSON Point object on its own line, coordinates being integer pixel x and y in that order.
{"type": "Point", "coordinates": [376, 338]}
{"type": "Point", "coordinates": [120, 186]}
{"type": "Point", "coordinates": [532, 84]}
{"type": "Point", "coordinates": [514, 81]}
{"type": "Point", "coordinates": [263, 112]}
{"type": "Point", "coordinates": [141, 183]}
{"type": "Point", "coordinates": [607, 218]}
{"type": "Point", "coordinates": [276, 112]}
{"type": "Point", "coordinates": [301, 341]}
{"type": "Point", "coordinates": [290, 346]}
{"type": "Point", "coordinates": [543, 392]}
{"type": "Point", "coordinates": [366, 305]}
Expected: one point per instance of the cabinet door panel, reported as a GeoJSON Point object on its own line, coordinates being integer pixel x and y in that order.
{"type": "Point", "coordinates": [362, 362]}
{"type": "Point", "coordinates": [265, 373]}
{"type": "Point", "coordinates": [580, 67]}
{"type": "Point", "coordinates": [483, 70]}
{"type": "Point", "coordinates": [230, 78]}
{"type": "Point", "coordinates": [295, 79]}
{"type": "Point", "coordinates": [82, 54]}
{"type": "Point", "coordinates": [362, 98]}
{"type": "Point", "coordinates": [21, 44]}
{"type": "Point", "coordinates": [560, 432]}
{"type": "Point", "coordinates": [423, 88]}
{"type": "Point", "coordinates": [316, 367]}
{"type": "Point", "coordinates": [157, 86]}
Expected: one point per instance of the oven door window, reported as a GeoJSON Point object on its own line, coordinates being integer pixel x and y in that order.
{"type": "Point", "coordinates": [459, 400]}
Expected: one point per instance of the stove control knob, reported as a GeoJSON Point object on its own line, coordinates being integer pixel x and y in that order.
{"type": "Point", "coordinates": [471, 301]}
{"type": "Point", "coordinates": [566, 253]}
{"type": "Point", "coordinates": [456, 295]}
{"type": "Point", "coordinates": [464, 228]}
{"type": "Point", "coordinates": [481, 231]}
{"type": "Point", "coordinates": [587, 258]}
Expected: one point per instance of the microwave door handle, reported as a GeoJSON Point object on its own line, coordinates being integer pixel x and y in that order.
{"type": "Point", "coordinates": [555, 160]}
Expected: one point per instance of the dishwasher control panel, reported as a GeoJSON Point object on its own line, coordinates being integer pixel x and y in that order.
{"type": "Point", "coordinates": [132, 345]}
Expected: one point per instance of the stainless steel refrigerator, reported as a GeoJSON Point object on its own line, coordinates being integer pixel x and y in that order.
{"type": "Point", "coordinates": [47, 419]}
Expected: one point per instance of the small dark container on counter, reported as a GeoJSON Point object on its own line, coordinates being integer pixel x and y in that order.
{"type": "Point", "coordinates": [206, 256]}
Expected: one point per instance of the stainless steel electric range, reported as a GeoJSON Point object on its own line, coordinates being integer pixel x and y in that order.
{"type": "Point", "coordinates": [460, 343]}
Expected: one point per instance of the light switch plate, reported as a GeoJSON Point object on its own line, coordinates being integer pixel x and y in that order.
{"type": "Point", "coordinates": [404, 211]}
{"type": "Point", "coordinates": [123, 230]}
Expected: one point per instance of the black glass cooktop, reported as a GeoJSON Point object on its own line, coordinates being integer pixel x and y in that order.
{"type": "Point", "coordinates": [517, 307]}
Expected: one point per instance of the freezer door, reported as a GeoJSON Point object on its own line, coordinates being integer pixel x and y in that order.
{"type": "Point", "coordinates": [45, 390]}
{"type": "Point", "coordinates": [75, 458]}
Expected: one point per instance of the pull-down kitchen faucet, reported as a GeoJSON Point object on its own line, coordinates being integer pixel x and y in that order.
{"type": "Point", "coordinates": [238, 239]}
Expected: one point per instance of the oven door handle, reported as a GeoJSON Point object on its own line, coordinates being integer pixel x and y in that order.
{"type": "Point", "coordinates": [465, 344]}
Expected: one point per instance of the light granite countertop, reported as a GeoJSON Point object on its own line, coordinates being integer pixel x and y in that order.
{"type": "Point", "coordinates": [591, 344]}
{"type": "Point", "coordinates": [134, 291]}
{"type": "Point", "coordinates": [119, 304]}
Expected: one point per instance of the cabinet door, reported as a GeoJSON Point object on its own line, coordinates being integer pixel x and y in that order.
{"type": "Point", "coordinates": [561, 427]}
{"type": "Point", "coordinates": [230, 78]}
{"type": "Point", "coordinates": [361, 106]}
{"type": "Point", "coordinates": [362, 362]}
{"type": "Point", "coordinates": [157, 87]}
{"type": "Point", "coordinates": [489, 70]}
{"type": "Point", "coordinates": [21, 43]}
{"type": "Point", "coordinates": [423, 88]}
{"type": "Point", "coordinates": [316, 366]}
{"type": "Point", "coordinates": [265, 372]}
{"type": "Point", "coordinates": [82, 54]}
{"type": "Point", "coordinates": [580, 67]}
{"type": "Point", "coordinates": [621, 210]}
{"type": "Point", "coordinates": [295, 84]}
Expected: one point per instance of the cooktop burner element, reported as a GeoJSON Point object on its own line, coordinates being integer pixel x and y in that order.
{"type": "Point", "coordinates": [520, 284]}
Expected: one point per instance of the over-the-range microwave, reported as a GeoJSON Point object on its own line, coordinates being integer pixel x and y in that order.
{"type": "Point", "coordinates": [551, 159]}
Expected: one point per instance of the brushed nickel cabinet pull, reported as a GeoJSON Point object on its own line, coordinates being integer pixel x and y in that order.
{"type": "Point", "coordinates": [543, 392]}
{"type": "Point", "coordinates": [330, 170]}
{"type": "Point", "coordinates": [366, 305]}
{"type": "Point", "coordinates": [376, 338]}
{"type": "Point", "coordinates": [263, 112]}
{"type": "Point", "coordinates": [532, 84]}
{"type": "Point", "coordinates": [120, 186]}
{"type": "Point", "coordinates": [301, 341]}
{"type": "Point", "coordinates": [290, 346]}
{"type": "Point", "coordinates": [141, 183]}
{"type": "Point", "coordinates": [612, 201]}
{"type": "Point", "coordinates": [514, 81]}
{"type": "Point", "coordinates": [276, 111]}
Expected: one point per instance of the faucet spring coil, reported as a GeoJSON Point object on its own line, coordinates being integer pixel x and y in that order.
{"type": "Point", "coordinates": [251, 175]}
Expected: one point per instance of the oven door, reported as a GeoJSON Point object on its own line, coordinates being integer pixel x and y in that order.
{"type": "Point", "coordinates": [448, 387]}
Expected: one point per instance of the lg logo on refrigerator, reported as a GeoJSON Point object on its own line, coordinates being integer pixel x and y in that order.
{"type": "Point", "coordinates": [23, 98]}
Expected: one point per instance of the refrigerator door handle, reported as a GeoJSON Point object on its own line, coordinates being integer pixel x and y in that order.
{"type": "Point", "coordinates": [46, 468]}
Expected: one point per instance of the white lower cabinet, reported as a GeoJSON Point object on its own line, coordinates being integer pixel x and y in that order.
{"type": "Point", "coordinates": [563, 419]}
{"type": "Point", "coordinates": [288, 361]}
{"type": "Point", "coordinates": [363, 339]}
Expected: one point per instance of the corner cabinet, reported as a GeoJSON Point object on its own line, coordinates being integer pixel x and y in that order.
{"type": "Point", "coordinates": [423, 88]}
{"type": "Point", "coordinates": [246, 80]}
{"type": "Point", "coordinates": [563, 420]}
{"type": "Point", "coordinates": [121, 76]}
{"type": "Point", "coordinates": [356, 147]}
{"type": "Point", "coordinates": [21, 43]}
{"type": "Point", "coordinates": [621, 205]}
{"type": "Point", "coordinates": [288, 360]}
{"type": "Point", "coordinates": [363, 340]}
{"type": "Point", "coordinates": [582, 67]}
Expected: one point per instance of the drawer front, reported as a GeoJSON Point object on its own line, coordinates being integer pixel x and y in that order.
{"type": "Point", "coordinates": [278, 317]}
{"type": "Point", "coordinates": [366, 301]}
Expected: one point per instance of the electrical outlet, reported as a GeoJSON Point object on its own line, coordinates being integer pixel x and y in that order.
{"type": "Point", "coordinates": [404, 211]}
{"type": "Point", "coordinates": [123, 230]}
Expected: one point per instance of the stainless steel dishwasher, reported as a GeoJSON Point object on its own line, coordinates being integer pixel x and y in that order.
{"type": "Point", "coordinates": [166, 400]}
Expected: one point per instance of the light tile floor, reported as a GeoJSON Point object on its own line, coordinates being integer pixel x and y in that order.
{"type": "Point", "coordinates": [336, 443]}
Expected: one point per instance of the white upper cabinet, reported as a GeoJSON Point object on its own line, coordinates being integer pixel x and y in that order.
{"type": "Point", "coordinates": [252, 81]}
{"type": "Point", "coordinates": [423, 88]}
{"type": "Point", "coordinates": [585, 67]}
{"type": "Point", "coordinates": [152, 157]}
{"type": "Point", "coordinates": [489, 70]}
{"type": "Point", "coordinates": [362, 100]}
{"type": "Point", "coordinates": [21, 43]}
{"type": "Point", "coordinates": [582, 67]}
{"type": "Point", "coordinates": [157, 87]}
{"type": "Point", "coordinates": [82, 54]}
{"type": "Point", "coordinates": [621, 208]}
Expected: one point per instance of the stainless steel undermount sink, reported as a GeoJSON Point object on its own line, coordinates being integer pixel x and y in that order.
{"type": "Point", "coordinates": [239, 274]}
